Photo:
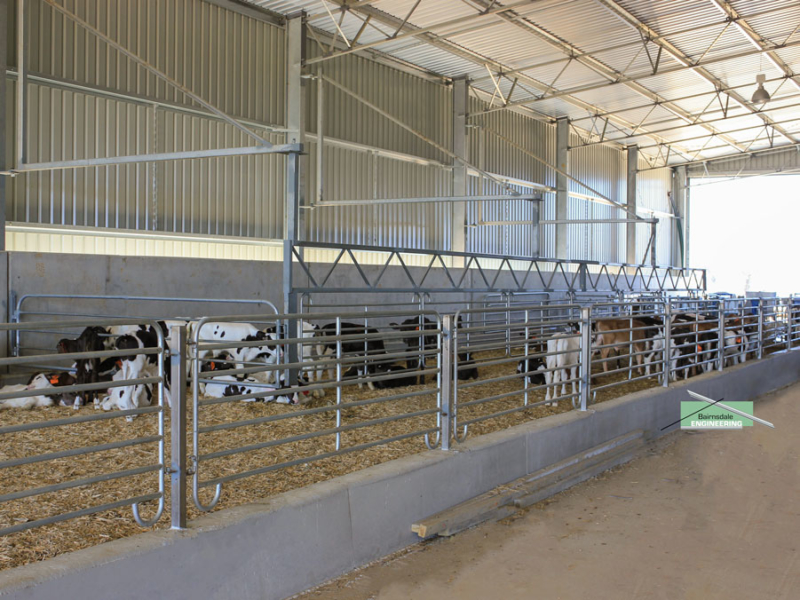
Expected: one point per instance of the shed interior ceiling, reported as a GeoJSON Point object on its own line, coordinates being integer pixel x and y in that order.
{"type": "Point", "coordinates": [665, 73]}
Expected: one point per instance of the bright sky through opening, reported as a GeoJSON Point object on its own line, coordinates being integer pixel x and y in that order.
{"type": "Point", "coordinates": [744, 231]}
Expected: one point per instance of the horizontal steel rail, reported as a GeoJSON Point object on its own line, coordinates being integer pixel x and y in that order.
{"type": "Point", "coordinates": [52, 360]}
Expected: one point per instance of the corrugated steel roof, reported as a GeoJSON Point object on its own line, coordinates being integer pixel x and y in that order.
{"type": "Point", "coordinates": [577, 50]}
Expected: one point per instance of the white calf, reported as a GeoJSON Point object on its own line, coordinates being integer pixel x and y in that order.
{"type": "Point", "coordinates": [37, 383]}
{"type": "Point", "coordinates": [563, 351]}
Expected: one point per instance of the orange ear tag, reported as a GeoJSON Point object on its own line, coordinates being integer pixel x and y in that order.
{"type": "Point", "coordinates": [699, 348]}
{"type": "Point", "coordinates": [54, 379]}
{"type": "Point", "coordinates": [738, 340]}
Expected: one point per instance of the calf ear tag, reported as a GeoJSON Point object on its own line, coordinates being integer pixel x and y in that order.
{"type": "Point", "coordinates": [53, 379]}
{"type": "Point", "coordinates": [213, 366]}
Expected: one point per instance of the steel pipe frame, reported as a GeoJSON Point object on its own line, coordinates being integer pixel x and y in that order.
{"type": "Point", "coordinates": [604, 70]}
{"type": "Point", "coordinates": [730, 157]}
{"type": "Point", "coordinates": [483, 62]}
{"type": "Point", "coordinates": [618, 140]}
{"type": "Point", "coordinates": [628, 276]}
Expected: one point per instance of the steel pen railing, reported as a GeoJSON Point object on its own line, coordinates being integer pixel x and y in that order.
{"type": "Point", "coordinates": [29, 474]}
{"type": "Point", "coordinates": [295, 391]}
{"type": "Point", "coordinates": [352, 354]}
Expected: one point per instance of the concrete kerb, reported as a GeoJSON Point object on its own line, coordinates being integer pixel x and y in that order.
{"type": "Point", "coordinates": [278, 547]}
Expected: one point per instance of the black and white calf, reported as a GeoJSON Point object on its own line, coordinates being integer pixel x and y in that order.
{"type": "Point", "coordinates": [369, 348]}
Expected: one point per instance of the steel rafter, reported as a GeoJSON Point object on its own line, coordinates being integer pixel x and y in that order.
{"type": "Point", "coordinates": [740, 23]}
{"type": "Point", "coordinates": [601, 68]}
{"type": "Point", "coordinates": [471, 56]}
{"type": "Point", "coordinates": [685, 60]}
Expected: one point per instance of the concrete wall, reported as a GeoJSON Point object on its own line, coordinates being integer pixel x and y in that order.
{"type": "Point", "coordinates": [50, 273]}
{"type": "Point", "coordinates": [272, 549]}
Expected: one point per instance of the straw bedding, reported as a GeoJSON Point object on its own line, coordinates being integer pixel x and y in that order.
{"type": "Point", "coordinates": [51, 540]}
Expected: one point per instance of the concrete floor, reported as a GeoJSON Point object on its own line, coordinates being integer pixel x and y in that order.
{"type": "Point", "coordinates": [710, 515]}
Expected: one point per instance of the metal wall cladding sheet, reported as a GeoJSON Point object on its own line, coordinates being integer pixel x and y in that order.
{"type": "Point", "coordinates": [423, 105]}
{"type": "Point", "coordinates": [240, 196]}
{"type": "Point", "coordinates": [234, 62]}
{"type": "Point", "coordinates": [653, 191]}
{"type": "Point", "coordinates": [66, 125]}
{"type": "Point", "coordinates": [603, 169]}
{"type": "Point", "coordinates": [511, 240]}
{"type": "Point", "coordinates": [235, 195]}
{"type": "Point", "coordinates": [352, 174]}
{"type": "Point", "coordinates": [496, 156]}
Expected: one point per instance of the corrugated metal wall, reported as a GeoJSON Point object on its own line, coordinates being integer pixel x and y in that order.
{"type": "Point", "coordinates": [652, 192]}
{"type": "Point", "coordinates": [604, 169]}
{"type": "Point", "coordinates": [238, 64]}
{"type": "Point", "coordinates": [493, 155]}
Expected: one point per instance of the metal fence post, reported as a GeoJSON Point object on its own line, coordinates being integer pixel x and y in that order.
{"type": "Point", "coordinates": [760, 308]}
{"type": "Point", "coordinates": [788, 323]}
{"type": "Point", "coordinates": [667, 342]}
{"type": "Point", "coordinates": [586, 355]}
{"type": "Point", "coordinates": [449, 331]}
{"type": "Point", "coordinates": [177, 354]}
{"type": "Point", "coordinates": [721, 335]}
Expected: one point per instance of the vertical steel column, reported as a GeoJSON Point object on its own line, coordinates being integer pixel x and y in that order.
{"type": "Point", "coordinates": [448, 376]}
{"type": "Point", "coordinates": [586, 355]}
{"type": "Point", "coordinates": [4, 163]}
{"type": "Point", "coordinates": [630, 228]}
{"type": "Point", "coordinates": [319, 196]}
{"type": "Point", "coordinates": [667, 342]}
{"type": "Point", "coordinates": [460, 148]}
{"type": "Point", "coordinates": [295, 188]}
{"type": "Point", "coordinates": [721, 335]}
{"type": "Point", "coordinates": [653, 247]}
{"type": "Point", "coordinates": [679, 224]}
{"type": "Point", "coordinates": [788, 305]}
{"type": "Point", "coordinates": [562, 188]}
{"type": "Point", "coordinates": [177, 354]}
{"type": "Point", "coordinates": [760, 350]}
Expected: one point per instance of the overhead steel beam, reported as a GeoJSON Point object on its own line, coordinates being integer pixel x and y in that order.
{"type": "Point", "coordinates": [598, 67]}
{"type": "Point", "coordinates": [685, 60]}
{"type": "Point", "coordinates": [737, 130]}
{"type": "Point", "coordinates": [480, 60]}
{"type": "Point", "coordinates": [637, 43]}
{"type": "Point", "coordinates": [646, 75]}
{"type": "Point", "coordinates": [778, 149]}
{"type": "Point", "coordinates": [754, 38]}
{"type": "Point", "coordinates": [161, 75]}
{"type": "Point", "coordinates": [425, 200]}
{"type": "Point", "coordinates": [678, 127]}
{"type": "Point", "coordinates": [84, 163]}
{"type": "Point", "coordinates": [401, 24]}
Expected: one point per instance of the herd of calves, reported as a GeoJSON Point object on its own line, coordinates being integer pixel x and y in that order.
{"type": "Point", "coordinates": [360, 351]}
{"type": "Point", "coordinates": [694, 346]}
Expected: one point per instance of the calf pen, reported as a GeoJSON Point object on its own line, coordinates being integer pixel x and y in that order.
{"type": "Point", "coordinates": [236, 452]}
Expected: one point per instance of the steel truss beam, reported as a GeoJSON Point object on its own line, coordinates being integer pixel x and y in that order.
{"type": "Point", "coordinates": [685, 60]}
{"type": "Point", "coordinates": [778, 149]}
{"type": "Point", "coordinates": [753, 37]}
{"type": "Point", "coordinates": [486, 273]}
{"type": "Point", "coordinates": [475, 58]}
{"type": "Point", "coordinates": [598, 67]}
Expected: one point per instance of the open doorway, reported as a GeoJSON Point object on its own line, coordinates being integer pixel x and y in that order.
{"type": "Point", "coordinates": [746, 232]}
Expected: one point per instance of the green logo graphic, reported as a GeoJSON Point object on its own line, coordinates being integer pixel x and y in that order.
{"type": "Point", "coordinates": [701, 415]}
